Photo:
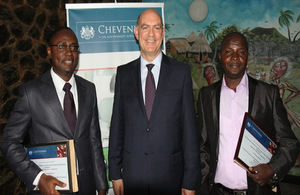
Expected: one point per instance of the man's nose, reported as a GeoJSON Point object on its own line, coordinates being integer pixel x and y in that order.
{"type": "Point", "coordinates": [234, 56]}
{"type": "Point", "coordinates": [151, 31]}
{"type": "Point", "coordinates": [68, 51]}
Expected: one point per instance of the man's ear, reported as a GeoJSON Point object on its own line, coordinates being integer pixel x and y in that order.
{"type": "Point", "coordinates": [136, 32]}
{"type": "Point", "coordinates": [49, 52]}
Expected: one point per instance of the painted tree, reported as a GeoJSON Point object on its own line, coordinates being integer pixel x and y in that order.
{"type": "Point", "coordinates": [223, 32]}
{"type": "Point", "coordinates": [210, 34]}
{"type": "Point", "coordinates": [298, 19]}
{"type": "Point", "coordinates": [167, 28]}
{"type": "Point", "coordinates": [284, 20]}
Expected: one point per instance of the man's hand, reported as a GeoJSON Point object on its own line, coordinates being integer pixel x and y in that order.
{"type": "Point", "coordinates": [47, 185]}
{"type": "Point", "coordinates": [118, 187]}
{"type": "Point", "coordinates": [261, 174]}
{"type": "Point", "coordinates": [187, 192]}
{"type": "Point", "coordinates": [102, 192]}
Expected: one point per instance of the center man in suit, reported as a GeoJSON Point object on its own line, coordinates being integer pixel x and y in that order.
{"type": "Point", "coordinates": [153, 151]}
{"type": "Point", "coordinates": [39, 111]}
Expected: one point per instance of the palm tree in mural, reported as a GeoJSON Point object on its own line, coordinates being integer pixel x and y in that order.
{"type": "Point", "coordinates": [284, 20]}
{"type": "Point", "coordinates": [298, 19]}
{"type": "Point", "coordinates": [210, 33]}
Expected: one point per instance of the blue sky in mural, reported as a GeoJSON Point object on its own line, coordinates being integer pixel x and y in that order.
{"type": "Point", "coordinates": [244, 13]}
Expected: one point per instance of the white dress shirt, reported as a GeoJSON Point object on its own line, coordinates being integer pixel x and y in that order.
{"type": "Point", "coordinates": [59, 84]}
{"type": "Point", "coordinates": [155, 71]}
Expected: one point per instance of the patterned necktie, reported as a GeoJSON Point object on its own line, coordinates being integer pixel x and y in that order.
{"type": "Point", "coordinates": [149, 91]}
{"type": "Point", "coordinates": [69, 107]}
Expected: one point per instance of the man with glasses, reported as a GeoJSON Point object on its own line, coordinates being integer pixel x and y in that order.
{"type": "Point", "coordinates": [57, 106]}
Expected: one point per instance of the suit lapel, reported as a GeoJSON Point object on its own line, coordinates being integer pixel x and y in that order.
{"type": "Point", "coordinates": [49, 93]}
{"type": "Point", "coordinates": [136, 81]}
{"type": "Point", "coordinates": [81, 93]}
{"type": "Point", "coordinates": [216, 112]}
{"type": "Point", "coordinates": [162, 85]}
{"type": "Point", "coordinates": [216, 106]}
{"type": "Point", "coordinates": [253, 102]}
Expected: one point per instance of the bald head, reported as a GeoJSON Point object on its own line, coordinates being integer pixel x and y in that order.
{"type": "Point", "coordinates": [145, 13]}
{"type": "Point", "coordinates": [150, 33]}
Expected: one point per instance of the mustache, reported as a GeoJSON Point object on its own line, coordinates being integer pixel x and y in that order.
{"type": "Point", "coordinates": [235, 64]}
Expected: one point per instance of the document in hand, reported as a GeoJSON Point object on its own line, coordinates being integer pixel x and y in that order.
{"type": "Point", "coordinates": [255, 146]}
{"type": "Point", "coordinates": [56, 159]}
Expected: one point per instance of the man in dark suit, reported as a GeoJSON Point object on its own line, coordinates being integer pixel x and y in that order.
{"type": "Point", "coordinates": [39, 110]}
{"type": "Point", "coordinates": [221, 110]}
{"type": "Point", "coordinates": [153, 151]}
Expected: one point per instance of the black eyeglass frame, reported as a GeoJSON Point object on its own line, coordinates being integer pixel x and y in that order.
{"type": "Point", "coordinates": [62, 47]}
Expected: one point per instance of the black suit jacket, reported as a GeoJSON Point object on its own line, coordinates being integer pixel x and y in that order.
{"type": "Point", "coordinates": [265, 106]}
{"type": "Point", "coordinates": [39, 112]}
{"type": "Point", "coordinates": [161, 155]}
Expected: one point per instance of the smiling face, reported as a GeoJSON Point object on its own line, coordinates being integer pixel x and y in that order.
{"type": "Point", "coordinates": [64, 61]}
{"type": "Point", "coordinates": [234, 56]}
{"type": "Point", "coordinates": [150, 33]}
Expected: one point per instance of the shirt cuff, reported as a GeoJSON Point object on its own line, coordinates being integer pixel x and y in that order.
{"type": "Point", "coordinates": [37, 179]}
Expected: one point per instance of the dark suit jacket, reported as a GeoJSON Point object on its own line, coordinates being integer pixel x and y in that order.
{"type": "Point", "coordinates": [265, 105]}
{"type": "Point", "coordinates": [39, 112]}
{"type": "Point", "coordinates": [159, 155]}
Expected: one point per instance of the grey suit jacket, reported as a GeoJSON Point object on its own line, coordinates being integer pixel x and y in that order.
{"type": "Point", "coordinates": [265, 106]}
{"type": "Point", "coordinates": [160, 155]}
{"type": "Point", "coordinates": [39, 113]}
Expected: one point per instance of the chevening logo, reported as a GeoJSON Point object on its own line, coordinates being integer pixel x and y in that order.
{"type": "Point", "coordinates": [87, 32]}
{"type": "Point", "coordinates": [248, 124]}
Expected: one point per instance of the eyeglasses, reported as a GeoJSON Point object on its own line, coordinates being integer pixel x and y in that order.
{"type": "Point", "coordinates": [61, 47]}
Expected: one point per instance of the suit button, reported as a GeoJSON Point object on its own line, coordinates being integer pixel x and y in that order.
{"type": "Point", "coordinates": [146, 153]}
{"type": "Point", "coordinates": [148, 130]}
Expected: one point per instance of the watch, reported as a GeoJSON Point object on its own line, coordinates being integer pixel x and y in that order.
{"type": "Point", "coordinates": [274, 180]}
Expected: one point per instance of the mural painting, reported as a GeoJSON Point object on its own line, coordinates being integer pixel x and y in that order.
{"type": "Point", "coordinates": [195, 28]}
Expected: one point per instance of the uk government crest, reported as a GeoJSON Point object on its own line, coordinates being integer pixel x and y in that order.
{"type": "Point", "coordinates": [87, 32]}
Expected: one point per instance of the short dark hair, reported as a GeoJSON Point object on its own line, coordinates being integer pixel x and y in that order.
{"type": "Point", "coordinates": [232, 34]}
{"type": "Point", "coordinates": [58, 30]}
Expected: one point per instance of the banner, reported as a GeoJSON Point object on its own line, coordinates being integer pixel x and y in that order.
{"type": "Point", "coordinates": [106, 39]}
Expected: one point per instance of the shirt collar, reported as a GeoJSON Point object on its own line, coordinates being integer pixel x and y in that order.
{"type": "Point", "coordinates": [156, 61]}
{"type": "Point", "coordinates": [59, 82]}
{"type": "Point", "coordinates": [243, 83]}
